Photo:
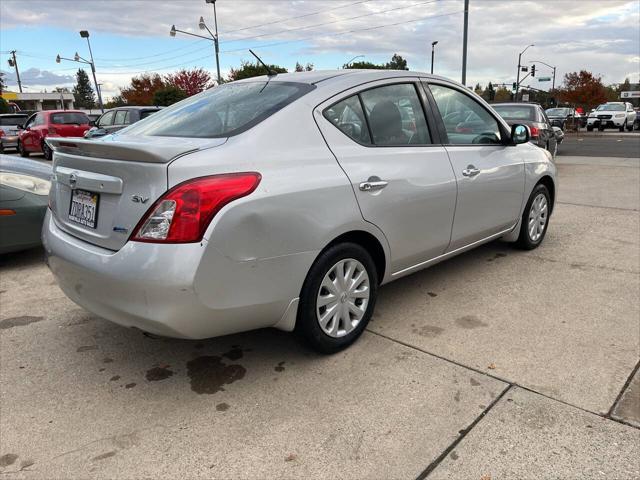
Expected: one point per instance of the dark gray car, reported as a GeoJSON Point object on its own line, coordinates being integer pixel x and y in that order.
{"type": "Point", "coordinates": [533, 116]}
{"type": "Point", "coordinates": [117, 118]}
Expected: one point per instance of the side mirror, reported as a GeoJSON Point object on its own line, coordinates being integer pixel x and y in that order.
{"type": "Point", "coordinates": [92, 123]}
{"type": "Point", "coordinates": [519, 134]}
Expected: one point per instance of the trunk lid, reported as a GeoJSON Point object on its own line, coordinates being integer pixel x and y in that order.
{"type": "Point", "coordinates": [102, 188]}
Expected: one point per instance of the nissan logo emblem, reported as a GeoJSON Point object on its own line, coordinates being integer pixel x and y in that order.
{"type": "Point", "coordinates": [73, 179]}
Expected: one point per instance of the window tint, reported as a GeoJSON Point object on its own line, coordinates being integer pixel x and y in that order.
{"type": "Point", "coordinates": [106, 119]}
{"type": "Point", "coordinates": [122, 117]}
{"type": "Point", "coordinates": [68, 118]}
{"type": "Point", "coordinates": [38, 120]}
{"type": "Point", "coordinates": [516, 112]}
{"type": "Point", "coordinates": [7, 120]}
{"type": "Point", "coordinates": [348, 116]}
{"type": "Point", "coordinates": [146, 113]}
{"type": "Point", "coordinates": [222, 111]}
{"type": "Point", "coordinates": [395, 115]}
{"type": "Point", "coordinates": [465, 120]}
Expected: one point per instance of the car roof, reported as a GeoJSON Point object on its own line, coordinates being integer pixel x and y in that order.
{"type": "Point", "coordinates": [134, 107]}
{"type": "Point", "coordinates": [317, 76]}
{"type": "Point", "coordinates": [515, 104]}
{"type": "Point", "coordinates": [17, 114]}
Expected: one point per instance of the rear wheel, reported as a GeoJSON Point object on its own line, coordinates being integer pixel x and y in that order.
{"type": "Point", "coordinates": [535, 218]}
{"type": "Point", "coordinates": [337, 298]}
{"type": "Point", "coordinates": [21, 150]}
{"type": "Point", "coordinates": [589, 128]}
{"type": "Point", "coordinates": [629, 127]}
{"type": "Point", "coordinates": [46, 150]}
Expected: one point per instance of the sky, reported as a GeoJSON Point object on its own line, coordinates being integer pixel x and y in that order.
{"type": "Point", "coordinates": [130, 37]}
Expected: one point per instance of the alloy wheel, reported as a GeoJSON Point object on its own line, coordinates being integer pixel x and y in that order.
{"type": "Point", "coordinates": [538, 214]}
{"type": "Point", "coordinates": [343, 298]}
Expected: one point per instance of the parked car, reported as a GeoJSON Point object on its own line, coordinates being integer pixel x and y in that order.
{"type": "Point", "coordinates": [559, 135]}
{"type": "Point", "coordinates": [560, 116]}
{"type": "Point", "coordinates": [9, 123]}
{"type": "Point", "coordinates": [24, 191]}
{"type": "Point", "coordinates": [116, 119]}
{"type": "Point", "coordinates": [48, 124]}
{"type": "Point", "coordinates": [636, 123]}
{"type": "Point", "coordinates": [255, 204]}
{"type": "Point", "coordinates": [533, 116]}
{"type": "Point", "coordinates": [620, 115]}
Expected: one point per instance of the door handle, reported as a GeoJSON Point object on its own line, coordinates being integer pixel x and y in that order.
{"type": "Point", "coordinates": [370, 186]}
{"type": "Point", "coordinates": [470, 171]}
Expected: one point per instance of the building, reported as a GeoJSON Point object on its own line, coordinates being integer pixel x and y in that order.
{"type": "Point", "coordinates": [40, 101]}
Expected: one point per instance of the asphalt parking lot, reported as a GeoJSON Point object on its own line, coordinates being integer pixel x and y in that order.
{"type": "Point", "coordinates": [496, 364]}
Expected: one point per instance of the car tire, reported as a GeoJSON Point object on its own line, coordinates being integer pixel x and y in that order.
{"type": "Point", "coordinates": [601, 129]}
{"type": "Point", "coordinates": [629, 127]}
{"type": "Point", "coordinates": [21, 150]}
{"type": "Point", "coordinates": [46, 150]}
{"type": "Point", "coordinates": [623, 126]}
{"type": "Point", "coordinates": [1, 148]}
{"type": "Point", "coordinates": [589, 128]}
{"type": "Point", "coordinates": [535, 218]}
{"type": "Point", "coordinates": [346, 309]}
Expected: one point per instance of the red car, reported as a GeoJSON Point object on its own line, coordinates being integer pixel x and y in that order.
{"type": "Point", "coordinates": [50, 123]}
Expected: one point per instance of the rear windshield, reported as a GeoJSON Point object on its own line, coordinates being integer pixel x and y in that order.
{"type": "Point", "coordinates": [146, 113]}
{"type": "Point", "coordinates": [558, 111]}
{"type": "Point", "coordinates": [221, 111]}
{"type": "Point", "coordinates": [68, 118]}
{"type": "Point", "coordinates": [12, 119]}
{"type": "Point", "coordinates": [516, 112]}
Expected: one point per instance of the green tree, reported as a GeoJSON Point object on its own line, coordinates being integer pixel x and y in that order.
{"type": "Point", "coordinates": [396, 63]}
{"type": "Point", "coordinates": [4, 106]}
{"type": "Point", "coordinates": [304, 68]}
{"type": "Point", "coordinates": [248, 70]}
{"type": "Point", "coordinates": [2, 85]}
{"type": "Point", "coordinates": [478, 89]}
{"type": "Point", "coordinates": [363, 66]}
{"type": "Point", "coordinates": [82, 92]}
{"type": "Point", "coordinates": [168, 96]}
{"type": "Point", "coordinates": [114, 102]}
{"type": "Point", "coordinates": [502, 95]}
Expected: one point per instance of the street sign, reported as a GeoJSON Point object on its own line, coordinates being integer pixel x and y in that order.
{"type": "Point", "coordinates": [544, 79]}
{"type": "Point", "coordinates": [630, 94]}
{"type": "Point", "coordinates": [525, 97]}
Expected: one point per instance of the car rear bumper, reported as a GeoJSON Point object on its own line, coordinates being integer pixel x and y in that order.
{"type": "Point", "coordinates": [9, 141]}
{"type": "Point", "coordinates": [177, 290]}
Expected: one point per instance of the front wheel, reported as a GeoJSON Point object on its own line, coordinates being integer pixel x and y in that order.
{"type": "Point", "coordinates": [21, 150]}
{"type": "Point", "coordinates": [337, 298]}
{"type": "Point", "coordinates": [623, 126]}
{"type": "Point", "coordinates": [535, 218]}
{"type": "Point", "coordinates": [589, 128]}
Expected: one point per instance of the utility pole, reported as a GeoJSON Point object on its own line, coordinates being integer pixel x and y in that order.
{"type": "Point", "coordinates": [215, 39]}
{"type": "Point", "coordinates": [464, 42]}
{"type": "Point", "coordinates": [14, 63]}
{"type": "Point", "coordinates": [433, 45]}
{"type": "Point", "coordinates": [85, 34]}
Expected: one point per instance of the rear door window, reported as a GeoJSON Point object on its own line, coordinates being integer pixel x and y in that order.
{"type": "Point", "coordinates": [146, 113]}
{"type": "Point", "coordinates": [122, 117]}
{"type": "Point", "coordinates": [222, 111]}
{"type": "Point", "coordinates": [395, 115]}
{"type": "Point", "coordinates": [69, 118]}
{"type": "Point", "coordinates": [465, 120]}
{"type": "Point", "coordinates": [348, 116]}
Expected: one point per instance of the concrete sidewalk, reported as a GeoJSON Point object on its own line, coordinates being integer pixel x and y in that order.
{"type": "Point", "coordinates": [496, 364]}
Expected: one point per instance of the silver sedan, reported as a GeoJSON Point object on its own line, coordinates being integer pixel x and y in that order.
{"type": "Point", "coordinates": [286, 201]}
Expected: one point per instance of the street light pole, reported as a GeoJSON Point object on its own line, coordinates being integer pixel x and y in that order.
{"type": "Point", "coordinates": [215, 39]}
{"type": "Point", "coordinates": [519, 66]}
{"type": "Point", "coordinates": [14, 63]}
{"type": "Point", "coordinates": [85, 34]}
{"type": "Point", "coordinates": [464, 42]}
{"type": "Point", "coordinates": [433, 45]}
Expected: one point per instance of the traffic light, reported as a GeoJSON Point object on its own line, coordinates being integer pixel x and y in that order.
{"type": "Point", "coordinates": [533, 70]}
{"type": "Point", "coordinates": [515, 86]}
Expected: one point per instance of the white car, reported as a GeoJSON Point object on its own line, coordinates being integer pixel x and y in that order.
{"type": "Point", "coordinates": [618, 115]}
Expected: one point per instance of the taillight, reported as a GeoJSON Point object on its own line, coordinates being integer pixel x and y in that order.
{"type": "Point", "coordinates": [183, 213]}
{"type": "Point", "coordinates": [534, 131]}
{"type": "Point", "coordinates": [1, 133]}
{"type": "Point", "coordinates": [52, 131]}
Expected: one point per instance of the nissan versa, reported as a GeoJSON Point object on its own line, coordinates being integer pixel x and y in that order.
{"type": "Point", "coordinates": [286, 201]}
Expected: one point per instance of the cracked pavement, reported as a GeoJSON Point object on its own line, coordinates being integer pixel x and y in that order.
{"type": "Point", "coordinates": [496, 364]}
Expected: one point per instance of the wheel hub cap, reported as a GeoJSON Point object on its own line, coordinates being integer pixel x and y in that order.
{"type": "Point", "coordinates": [343, 298]}
{"type": "Point", "coordinates": [538, 217]}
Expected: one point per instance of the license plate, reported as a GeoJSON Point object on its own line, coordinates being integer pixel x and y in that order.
{"type": "Point", "coordinates": [84, 208]}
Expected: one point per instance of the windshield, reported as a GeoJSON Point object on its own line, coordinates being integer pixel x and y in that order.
{"type": "Point", "coordinates": [221, 111]}
{"type": "Point", "coordinates": [7, 120]}
{"type": "Point", "coordinates": [516, 112]}
{"type": "Point", "coordinates": [69, 118]}
{"type": "Point", "coordinates": [558, 112]}
{"type": "Point", "coordinates": [611, 107]}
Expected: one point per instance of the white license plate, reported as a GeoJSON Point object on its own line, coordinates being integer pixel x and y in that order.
{"type": "Point", "coordinates": [84, 208]}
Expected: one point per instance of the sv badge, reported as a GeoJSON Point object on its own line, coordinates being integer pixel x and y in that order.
{"type": "Point", "coordinates": [139, 199]}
